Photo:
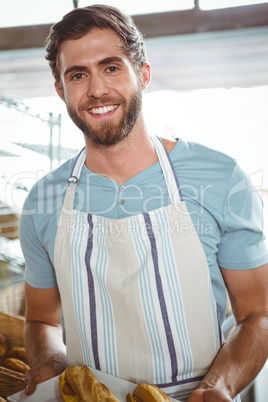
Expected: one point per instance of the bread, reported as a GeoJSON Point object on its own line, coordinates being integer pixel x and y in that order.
{"type": "Point", "coordinates": [80, 384]}
{"type": "Point", "coordinates": [3, 346]}
{"type": "Point", "coordinates": [147, 393]}
{"type": "Point", "coordinates": [18, 353]}
{"type": "Point", "coordinates": [15, 364]}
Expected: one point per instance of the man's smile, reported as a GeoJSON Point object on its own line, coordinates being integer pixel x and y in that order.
{"type": "Point", "coordinates": [103, 109]}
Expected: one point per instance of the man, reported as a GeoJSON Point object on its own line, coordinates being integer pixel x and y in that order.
{"type": "Point", "coordinates": [135, 238]}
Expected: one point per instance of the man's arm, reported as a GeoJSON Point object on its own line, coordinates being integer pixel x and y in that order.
{"type": "Point", "coordinates": [45, 349]}
{"type": "Point", "coordinates": [246, 348]}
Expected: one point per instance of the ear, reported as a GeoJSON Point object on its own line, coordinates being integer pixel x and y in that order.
{"type": "Point", "coordinates": [59, 90]}
{"type": "Point", "coordinates": [146, 75]}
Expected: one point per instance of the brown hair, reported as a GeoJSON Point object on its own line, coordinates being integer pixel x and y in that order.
{"type": "Point", "coordinates": [80, 21]}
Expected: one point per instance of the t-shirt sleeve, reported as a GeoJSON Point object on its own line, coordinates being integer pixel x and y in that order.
{"type": "Point", "coordinates": [243, 244]}
{"type": "Point", "coordinates": [39, 271]}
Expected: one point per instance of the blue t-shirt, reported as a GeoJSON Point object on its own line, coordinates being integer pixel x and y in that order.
{"type": "Point", "coordinates": [226, 211]}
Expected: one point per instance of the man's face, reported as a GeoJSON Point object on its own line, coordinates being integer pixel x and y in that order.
{"type": "Point", "coordinates": [102, 92]}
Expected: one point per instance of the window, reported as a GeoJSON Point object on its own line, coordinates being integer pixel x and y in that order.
{"type": "Point", "coordinates": [145, 7]}
{"type": "Point", "coordinates": [213, 4]}
{"type": "Point", "coordinates": [32, 12]}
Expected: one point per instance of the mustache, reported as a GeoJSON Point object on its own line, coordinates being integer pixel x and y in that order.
{"type": "Point", "coordinates": [97, 102]}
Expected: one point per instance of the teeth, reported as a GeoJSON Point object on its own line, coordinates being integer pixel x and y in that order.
{"type": "Point", "coordinates": [103, 110]}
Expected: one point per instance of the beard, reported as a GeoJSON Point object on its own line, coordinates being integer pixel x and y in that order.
{"type": "Point", "coordinates": [109, 133]}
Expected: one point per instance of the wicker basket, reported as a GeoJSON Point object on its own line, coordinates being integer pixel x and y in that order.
{"type": "Point", "coordinates": [11, 382]}
{"type": "Point", "coordinates": [12, 322]}
{"type": "Point", "coordinates": [13, 329]}
{"type": "Point", "coordinates": [12, 309]}
{"type": "Point", "coordinates": [12, 300]}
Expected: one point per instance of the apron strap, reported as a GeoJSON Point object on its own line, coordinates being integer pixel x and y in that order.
{"type": "Point", "coordinates": [76, 172]}
{"type": "Point", "coordinates": [168, 170]}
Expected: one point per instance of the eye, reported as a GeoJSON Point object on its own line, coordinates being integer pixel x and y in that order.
{"type": "Point", "coordinates": [78, 76]}
{"type": "Point", "coordinates": [112, 69]}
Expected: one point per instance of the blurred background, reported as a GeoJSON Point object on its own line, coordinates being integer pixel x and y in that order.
{"type": "Point", "coordinates": [209, 63]}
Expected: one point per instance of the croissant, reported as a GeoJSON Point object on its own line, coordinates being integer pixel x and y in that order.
{"type": "Point", "coordinates": [80, 384]}
{"type": "Point", "coordinates": [15, 364]}
{"type": "Point", "coordinates": [147, 393]}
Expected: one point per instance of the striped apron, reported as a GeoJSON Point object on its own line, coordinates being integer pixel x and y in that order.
{"type": "Point", "coordinates": [136, 292]}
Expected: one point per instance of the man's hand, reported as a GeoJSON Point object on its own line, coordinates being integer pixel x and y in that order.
{"type": "Point", "coordinates": [209, 395]}
{"type": "Point", "coordinates": [245, 351]}
{"type": "Point", "coordinates": [36, 375]}
{"type": "Point", "coordinates": [45, 349]}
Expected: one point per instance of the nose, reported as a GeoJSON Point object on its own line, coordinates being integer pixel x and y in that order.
{"type": "Point", "coordinates": [97, 86]}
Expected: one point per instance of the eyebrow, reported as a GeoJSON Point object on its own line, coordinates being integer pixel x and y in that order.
{"type": "Point", "coordinates": [112, 59]}
{"type": "Point", "coordinates": [74, 68]}
{"type": "Point", "coordinates": [103, 62]}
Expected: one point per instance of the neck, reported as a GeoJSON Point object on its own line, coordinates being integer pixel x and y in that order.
{"type": "Point", "coordinates": [124, 160]}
